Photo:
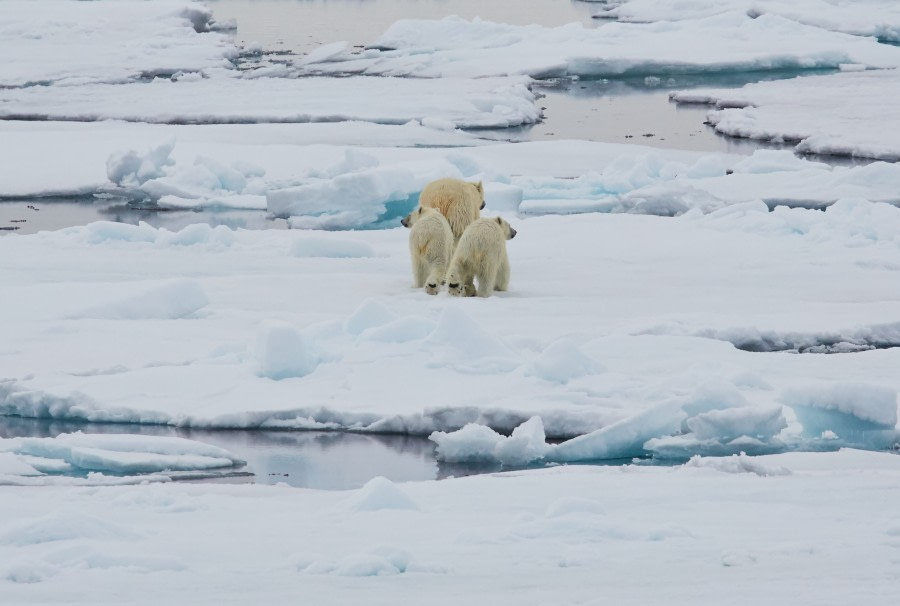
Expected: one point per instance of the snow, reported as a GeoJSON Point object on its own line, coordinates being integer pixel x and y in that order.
{"type": "Point", "coordinates": [451, 103]}
{"type": "Point", "coordinates": [819, 114]}
{"type": "Point", "coordinates": [106, 41]}
{"type": "Point", "coordinates": [880, 18]}
{"type": "Point", "coordinates": [564, 533]}
{"type": "Point", "coordinates": [668, 309]}
{"type": "Point", "coordinates": [733, 41]}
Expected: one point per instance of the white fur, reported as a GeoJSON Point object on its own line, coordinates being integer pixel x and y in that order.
{"type": "Point", "coordinates": [459, 201]}
{"type": "Point", "coordinates": [430, 247]}
{"type": "Point", "coordinates": [481, 254]}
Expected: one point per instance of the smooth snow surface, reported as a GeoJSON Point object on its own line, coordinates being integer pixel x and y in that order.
{"type": "Point", "coordinates": [753, 528]}
{"type": "Point", "coordinates": [734, 41]}
{"type": "Point", "coordinates": [879, 18]}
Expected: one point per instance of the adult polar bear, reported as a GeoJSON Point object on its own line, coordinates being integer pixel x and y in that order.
{"type": "Point", "coordinates": [459, 201]}
{"type": "Point", "coordinates": [481, 254]}
{"type": "Point", "coordinates": [430, 247]}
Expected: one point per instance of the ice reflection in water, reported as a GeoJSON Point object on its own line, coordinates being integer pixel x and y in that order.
{"type": "Point", "coordinates": [308, 459]}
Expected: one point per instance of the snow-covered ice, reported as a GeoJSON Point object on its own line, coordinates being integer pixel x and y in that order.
{"type": "Point", "coordinates": [752, 529]}
{"type": "Point", "coordinates": [672, 306]}
{"type": "Point", "coordinates": [731, 41]}
{"type": "Point", "coordinates": [878, 18]}
{"type": "Point", "coordinates": [448, 103]}
{"type": "Point", "coordinates": [255, 335]}
{"type": "Point", "coordinates": [841, 114]}
{"type": "Point", "coordinates": [60, 42]}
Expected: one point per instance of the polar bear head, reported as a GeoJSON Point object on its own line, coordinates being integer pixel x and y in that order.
{"type": "Point", "coordinates": [419, 213]}
{"type": "Point", "coordinates": [506, 227]}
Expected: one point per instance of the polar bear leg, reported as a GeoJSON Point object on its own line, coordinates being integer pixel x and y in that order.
{"type": "Point", "coordinates": [486, 281]}
{"type": "Point", "coordinates": [420, 272]}
{"type": "Point", "coordinates": [435, 279]}
{"type": "Point", "coordinates": [502, 281]}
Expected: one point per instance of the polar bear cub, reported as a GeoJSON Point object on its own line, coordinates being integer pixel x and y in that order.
{"type": "Point", "coordinates": [430, 247]}
{"type": "Point", "coordinates": [459, 201]}
{"type": "Point", "coordinates": [481, 254]}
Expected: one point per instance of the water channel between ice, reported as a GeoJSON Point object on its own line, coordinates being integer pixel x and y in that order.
{"type": "Point", "coordinates": [308, 459]}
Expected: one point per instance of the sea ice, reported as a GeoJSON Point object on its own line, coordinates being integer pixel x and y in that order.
{"type": "Point", "coordinates": [65, 43]}
{"type": "Point", "coordinates": [848, 413]}
{"type": "Point", "coordinates": [819, 114]}
{"type": "Point", "coordinates": [879, 18]}
{"type": "Point", "coordinates": [730, 41]}
{"type": "Point", "coordinates": [452, 102]}
{"type": "Point", "coordinates": [93, 455]}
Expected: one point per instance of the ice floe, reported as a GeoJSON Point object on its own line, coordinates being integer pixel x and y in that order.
{"type": "Point", "coordinates": [879, 18]}
{"type": "Point", "coordinates": [58, 42]}
{"type": "Point", "coordinates": [731, 41]}
{"type": "Point", "coordinates": [819, 114]}
{"type": "Point", "coordinates": [98, 459]}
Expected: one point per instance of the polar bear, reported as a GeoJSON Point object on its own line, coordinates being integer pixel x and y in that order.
{"type": "Point", "coordinates": [481, 254]}
{"type": "Point", "coordinates": [459, 201]}
{"type": "Point", "coordinates": [430, 247]}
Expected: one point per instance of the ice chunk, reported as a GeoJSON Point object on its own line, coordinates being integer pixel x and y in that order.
{"type": "Point", "coordinates": [738, 463]}
{"type": "Point", "coordinates": [623, 439]}
{"type": "Point", "coordinates": [501, 197]}
{"type": "Point", "coordinates": [731, 423]}
{"type": "Point", "coordinates": [117, 453]}
{"type": "Point", "coordinates": [527, 444]}
{"type": "Point", "coordinates": [13, 465]}
{"type": "Point", "coordinates": [476, 443]}
{"type": "Point", "coordinates": [283, 352]}
{"type": "Point", "coordinates": [380, 493]}
{"type": "Point", "coordinates": [132, 169]}
{"type": "Point", "coordinates": [686, 446]}
{"type": "Point", "coordinates": [852, 406]}
{"type": "Point", "coordinates": [473, 443]}
{"type": "Point", "coordinates": [169, 301]}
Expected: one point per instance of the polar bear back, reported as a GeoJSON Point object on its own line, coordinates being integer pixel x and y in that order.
{"type": "Point", "coordinates": [459, 201]}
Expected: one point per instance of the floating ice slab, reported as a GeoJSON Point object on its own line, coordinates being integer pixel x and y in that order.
{"type": "Point", "coordinates": [880, 18]}
{"type": "Point", "coordinates": [449, 102]}
{"type": "Point", "coordinates": [72, 43]}
{"type": "Point", "coordinates": [79, 454]}
{"type": "Point", "coordinates": [846, 413]}
{"type": "Point", "coordinates": [725, 42]}
{"type": "Point", "coordinates": [850, 114]}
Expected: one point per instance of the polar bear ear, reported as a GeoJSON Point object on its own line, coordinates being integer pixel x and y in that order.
{"type": "Point", "coordinates": [499, 221]}
{"type": "Point", "coordinates": [479, 187]}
